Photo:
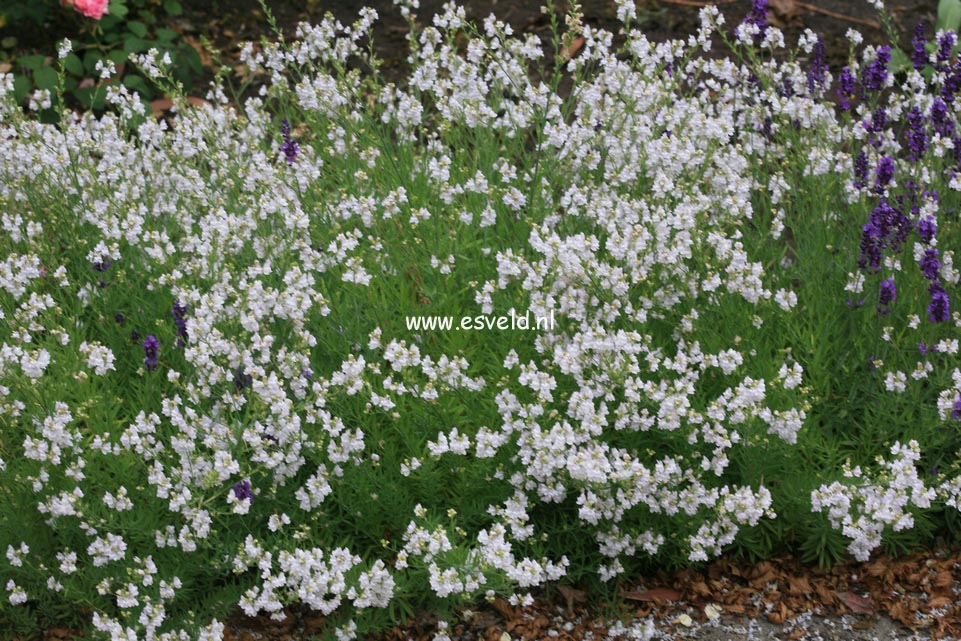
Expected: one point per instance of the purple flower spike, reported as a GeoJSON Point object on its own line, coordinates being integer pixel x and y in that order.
{"type": "Point", "coordinates": [758, 18]}
{"type": "Point", "coordinates": [939, 310]}
{"type": "Point", "coordinates": [819, 67]}
{"type": "Point", "coordinates": [151, 351]}
{"type": "Point", "coordinates": [917, 138]}
{"type": "Point", "coordinates": [180, 320]}
{"type": "Point", "coordinates": [888, 294]}
{"type": "Point", "coordinates": [927, 229]}
{"type": "Point", "coordinates": [918, 54]}
{"type": "Point", "coordinates": [884, 172]}
{"type": "Point", "coordinates": [877, 72]}
{"type": "Point", "coordinates": [930, 265]}
{"type": "Point", "coordinates": [243, 492]}
{"type": "Point", "coordinates": [956, 412]}
{"type": "Point", "coordinates": [290, 148]}
{"type": "Point", "coordinates": [847, 88]}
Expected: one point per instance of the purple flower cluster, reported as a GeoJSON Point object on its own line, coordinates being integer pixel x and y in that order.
{"type": "Point", "coordinates": [103, 265]}
{"type": "Point", "coordinates": [151, 352]}
{"type": "Point", "coordinates": [917, 139]}
{"type": "Point", "coordinates": [243, 492]}
{"type": "Point", "coordinates": [886, 229]}
{"type": "Point", "coordinates": [817, 73]}
{"type": "Point", "coordinates": [758, 18]}
{"type": "Point", "coordinates": [918, 54]}
{"type": "Point", "coordinates": [876, 73]}
{"type": "Point", "coordinates": [242, 380]}
{"type": "Point", "coordinates": [847, 88]}
{"type": "Point", "coordinates": [888, 294]}
{"type": "Point", "coordinates": [180, 320]}
{"type": "Point", "coordinates": [289, 148]}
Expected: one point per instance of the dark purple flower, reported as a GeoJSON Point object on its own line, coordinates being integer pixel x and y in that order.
{"type": "Point", "coordinates": [927, 229]}
{"type": "Point", "coordinates": [918, 54]}
{"type": "Point", "coordinates": [180, 320]}
{"type": "Point", "coordinates": [889, 293]}
{"type": "Point", "coordinates": [243, 492]}
{"type": "Point", "coordinates": [871, 365]}
{"type": "Point", "coordinates": [119, 317]}
{"type": "Point", "coordinates": [945, 44]}
{"type": "Point", "coordinates": [917, 138]}
{"type": "Point", "coordinates": [819, 67]}
{"type": "Point", "coordinates": [290, 148]}
{"type": "Point", "coordinates": [875, 126]}
{"type": "Point", "coordinates": [860, 170]}
{"type": "Point", "coordinates": [876, 73]}
{"type": "Point", "coordinates": [242, 380]}
{"type": "Point", "coordinates": [884, 172]}
{"type": "Point", "coordinates": [956, 412]}
{"type": "Point", "coordinates": [939, 118]}
{"type": "Point", "coordinates": [847, 88]}
{"type": "Point", "coordinates": [151, 352]}
{"type": "Point", "coordinates": [104, 264]}
{"type": "Point", "coordinates": [939, 309]}
{"type": "Point", "coordinates": [134, 335]}
{"type": "Point", "coordinates": [758, 18]}
{"type": "Point", "coordinates": [930, 265]}
{"type": "Point", "coordinates": [925, 350]}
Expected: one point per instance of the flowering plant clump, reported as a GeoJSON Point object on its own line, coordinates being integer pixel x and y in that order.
{"type": "Point", "coordinates": [210, 398]}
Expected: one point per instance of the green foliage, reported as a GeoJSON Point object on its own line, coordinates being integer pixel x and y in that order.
{"type": "Point", "coordinates": [130, 27]}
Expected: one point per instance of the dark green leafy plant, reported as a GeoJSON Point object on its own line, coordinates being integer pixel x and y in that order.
{"type": "Point", "coordinates": [128, 27]}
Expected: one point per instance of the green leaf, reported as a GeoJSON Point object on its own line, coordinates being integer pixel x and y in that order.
{"type": "Point", "coordinates": [90, 58]}
{"type": "Point", "coordinates": [173, 8]}
{"type": "Point", "coordinates": [45, 78]}
{"type": "Point", "coordinates": [949, 15]}
{"type": "Point", "coordinates": [138, 84]}
{"type": "Point", "coordinates": [73, 64]}
{"type": "Point", "coordinates": [135, 45]}
{"type": "Point", "coordinates": [137, 28]}
{"type": "Point", "coordinates": [21, 87]}
{"type": "Point", "coordinates": [32, 63]}
{"type": "Point", "coordinates": [117, 8]}
{"type": "Point", "coordinates": [167, 35]}
{"type": "Point", "coordinates": [117, 56]}
{"type": "Point", "coordinates": [900, 61]}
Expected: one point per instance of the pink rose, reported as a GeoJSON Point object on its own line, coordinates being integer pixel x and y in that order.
{"type": "Point", "coordinates": [90, 8]}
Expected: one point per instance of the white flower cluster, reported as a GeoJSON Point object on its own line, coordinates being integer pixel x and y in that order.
{"type": "Point", "coordinates": [864, 507]}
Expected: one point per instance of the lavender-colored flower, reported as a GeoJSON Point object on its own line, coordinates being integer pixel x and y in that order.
{"type": "Point", "coordinates": [847, 88]}
{"type": "Point", "coordinates": [930, 265]}
{"type": "Point", "coordinates": [956, 412]}
{"type": "Point", "coordinates": [884, 172]}
{"type": "Point", "coordinates": [888, 294]}
{"type": "Point", "coordinates": [945, 45]}
{"type": "Point", "coordinates": [942, 125]}
{"type": "Point", "coordinates": [290, 148]}
{"type": "Point", "coordinates": [819, 67]}
{"type": "Point", "coordinates": [860, 170]}
{"type": "Point", "coordinates": [918, 54]}
{"type": "Point", "coordinates": [876, 73]}
{"type": "Point", "coordinates": [151, 351]}
{"type": "Point", "coordinates": [927, 229]}
{"type": "Point", "coordinates": [104, 264]}
{"type": "Point", "coordinates": [243, 492]}
{"type": "Point", "coordinates": [758, 18]}
{"type": "Point", "coordinates": [939, 309]}
{"type": "Point", "coordinates": [879, 119]}
{"type": "Point", "coordinates": [917, 138]}
{"type": "Point", "coordinates": [180, 320]}
{"type": "Point", "coordinates": [242, 379]}
{"type": "Point", "coordinates": [925, 350]}
{"type": "Point", "coordinates": [886, 229]}
{"type": "Point", "coordinates": [871, 365]}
